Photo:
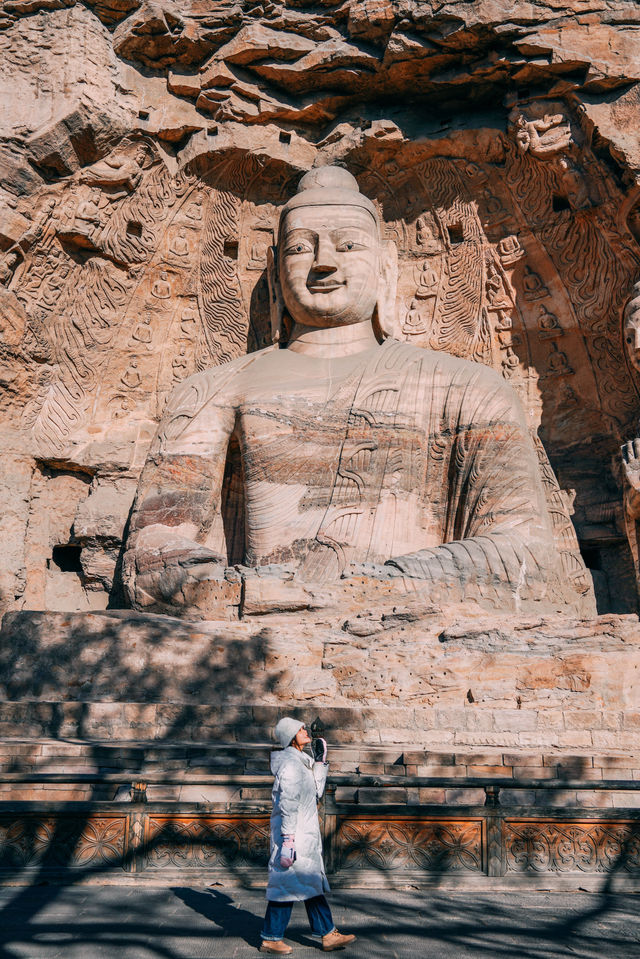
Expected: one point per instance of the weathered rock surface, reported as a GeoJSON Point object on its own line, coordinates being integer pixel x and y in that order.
{"type": "Point", "coordinates": [419, 675]}
{"type": "Point", "coordinates": [146, 150]}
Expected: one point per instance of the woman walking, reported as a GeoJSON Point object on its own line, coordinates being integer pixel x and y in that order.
{"type": "Point", "coordinates": [296, 870]}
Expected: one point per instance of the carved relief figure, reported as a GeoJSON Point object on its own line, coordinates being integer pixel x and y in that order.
{"type": "Point", "coordinates": [631, 449]}
{"type": "Point", "coordinates": [88, 209]}
{"type": "Point", "coordinates": [426, 237]}
{"type": "Point", "coordinates": [558, 362]}
{"type": "Point", "coordinates": [161, 288]}
{"type": "Point", "coordinates": [414, 323]}
{"type": "Point", "coordinates": [179, 365]}
{"type": "Point", "coordinates": [8, 265]}
{"type": "Point", "coordinates": [548, 323]}
{"type": "Point", "coordinates": [542, 137]}
{"type": "Point", "coordinates": [533, 286]}
{"type": "Point", "coordinates": [142, 331]}
{"type": "Point", "coordinates": [361, 455]}
{"type": "Point", "coordinates": [427, 281]}
{"type": "Point", "coordinates": [510, 250]}
{"type": "Point", "coordinates": [188, 321]}
{"type": "Point", "coordinates": [119, 171]}
{"type": "Point", "coordinates": [131, 377]}
{"type": "Point", "coordinates": [194, 210]}
{"type": "Point", "coordinates": [180, 245]}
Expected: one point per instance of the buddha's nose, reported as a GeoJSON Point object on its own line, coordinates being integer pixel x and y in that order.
{"type": "Point", "coordinates": [324, 261]}
{"type": "Point", "coordinates": [636, 338]}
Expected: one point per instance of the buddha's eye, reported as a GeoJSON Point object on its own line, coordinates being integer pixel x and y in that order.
{"type": "Point", "coordinates": [299, 247]}
{"type": "Point", "coordinates": [348, 246]}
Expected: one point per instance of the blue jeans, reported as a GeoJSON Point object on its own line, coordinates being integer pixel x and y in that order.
{"type": "Point", "coordinates": [278, 915]}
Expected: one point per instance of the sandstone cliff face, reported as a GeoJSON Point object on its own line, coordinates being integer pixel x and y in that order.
{"type": "Point", "coordinates": [146, 149]}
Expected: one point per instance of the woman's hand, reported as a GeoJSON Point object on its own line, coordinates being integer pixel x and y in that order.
{"type": "Point", "coordinates": [319, 749]}
{"type": "Point", "coordinates": [288, 851]}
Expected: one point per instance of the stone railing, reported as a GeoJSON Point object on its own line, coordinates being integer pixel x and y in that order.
{"type": "Point", "coordinates": [383, 830]}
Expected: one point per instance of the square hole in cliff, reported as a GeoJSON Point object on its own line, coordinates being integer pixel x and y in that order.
{"type": "Point", "coordinates": [560, 203]}
{"type": "Point", "coordinates": [66, 559]}
{"type": "Point", "coordinates": [456, 232]}
{"type": "Point", "coordinates": [230, 249]}
{"type": "Point", "coordinates": [134, 228]}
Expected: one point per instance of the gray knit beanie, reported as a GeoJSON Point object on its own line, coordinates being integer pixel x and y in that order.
{"type": "Point", "coordinates": [286, 730]}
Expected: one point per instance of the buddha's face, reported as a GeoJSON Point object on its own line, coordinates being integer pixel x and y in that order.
{"type": "Point", "coordinates": [329, 265]}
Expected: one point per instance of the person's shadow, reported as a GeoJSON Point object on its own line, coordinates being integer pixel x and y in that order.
{"type": "Point", "coordinates": [220, 908]}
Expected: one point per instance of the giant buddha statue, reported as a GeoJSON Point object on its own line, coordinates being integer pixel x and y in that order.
{"type": "Point", "coordinates": [339, 451]}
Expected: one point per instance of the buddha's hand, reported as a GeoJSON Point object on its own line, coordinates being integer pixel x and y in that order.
{"type": "Point", "coordinates": [631, 471]}
{"type": "Point", "coordinates": [372, 570]}
{"type": "Point", "coordinates": [166, 568]}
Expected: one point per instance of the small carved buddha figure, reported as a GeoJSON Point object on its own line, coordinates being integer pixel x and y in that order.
{"type": "Point", "coordinates": [8, 265]}
{"type": "Point", "coordinates": [161, 288]}
{"type": "Point", "coordinates": [188, 321]}
{"type": "Point", "coordinates": [533, 286]}
{"type": "Point", "coordinates": [180, 245]}
{"type": "Point", "coordinates": [89, 209]}
{"type": "Point", "coordinates": [360, 455]}
{"type": "Point", "coordinates": [179, 365]}
{"type": "Point", "coordinates": [558, 362]}
{"type": "Point", "coordinates": [510, 250]}
{"type": "Point", "coordinates": [131, 377]}
{"type": "Point", "coordinates": [414, 323]}
{"type": "Point", "coordinates": [548, 322]}
{"type": "Point", "coordinates": [194, 211]}
{"type": "Point", "coordinates": [427, 281]}
{"type": "Point", "coordinates": [142, 330]}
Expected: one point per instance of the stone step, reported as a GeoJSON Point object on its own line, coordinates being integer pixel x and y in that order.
{"type": "Point", "coordinates": [473, 727]}
{"type": "Point", "coordinates": [32, 755]}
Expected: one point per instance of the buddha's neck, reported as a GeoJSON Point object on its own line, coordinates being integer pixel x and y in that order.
{"type": "Point", "coordinates": [333, 341]}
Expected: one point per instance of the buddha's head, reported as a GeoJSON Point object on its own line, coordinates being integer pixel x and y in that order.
{"type": "Point", "coordinates": [331, 268]}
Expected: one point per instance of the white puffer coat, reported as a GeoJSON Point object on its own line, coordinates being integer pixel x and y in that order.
{"type": "Point", "coordinates": [298, 785]}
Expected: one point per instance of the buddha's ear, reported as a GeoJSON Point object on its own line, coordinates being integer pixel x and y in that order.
{"type": "Point", "coordinates": [387, 286]}
{"type": "Point", "coordinates": [276, 302]}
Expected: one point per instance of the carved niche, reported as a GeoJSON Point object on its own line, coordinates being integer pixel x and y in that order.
{"type": "Point", "coordinates": [512, 253]}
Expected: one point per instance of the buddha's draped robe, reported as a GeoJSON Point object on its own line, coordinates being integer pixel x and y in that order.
{"type": "Point", "coordinates": [398, 455]}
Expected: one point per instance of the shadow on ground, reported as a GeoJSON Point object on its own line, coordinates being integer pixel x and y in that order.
{"type": "Point", "coordinates": [184, 923]}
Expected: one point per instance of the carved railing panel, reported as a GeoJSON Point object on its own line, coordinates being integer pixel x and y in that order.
{"type": "Point", "coordinates": [409, 844]}
{"type": "Point", "coordinates": [553, 847]}
{"type": "Point", "coordinates": [206, 842]}
{"type": "Point", "coordinates": [61, 842]}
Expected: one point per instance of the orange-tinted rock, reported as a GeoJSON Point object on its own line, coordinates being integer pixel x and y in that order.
{"type": "Point", "coordinates": [147, 150]}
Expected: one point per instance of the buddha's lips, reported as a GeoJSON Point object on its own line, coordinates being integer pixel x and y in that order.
{"type": "Point", "coordinates": [324, 287]}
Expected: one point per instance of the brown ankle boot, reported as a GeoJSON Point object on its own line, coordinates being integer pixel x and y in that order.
{"type": "Point", "coordinates": [335, 940]}
{"type": "Point", "coordinates": [278, 948]}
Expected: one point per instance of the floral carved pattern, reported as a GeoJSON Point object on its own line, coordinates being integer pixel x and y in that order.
{"type": "Point", "coordinates": [571, 847]}
{"type": "Point", "coordinates": [414, 844]}
{"type": "Point", "coordinates": [30, 841]}
{"type": "Point", "coordinates": [194, 843]}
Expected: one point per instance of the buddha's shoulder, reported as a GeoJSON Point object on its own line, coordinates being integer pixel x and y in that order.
{"type": "Point", "coordinates": [216, 377]}
{"type": "Point", "coordinates": [452, 368]}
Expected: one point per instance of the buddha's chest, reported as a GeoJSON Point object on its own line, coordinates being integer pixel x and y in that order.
{"type": "Point", "coordinates": [320, 442]}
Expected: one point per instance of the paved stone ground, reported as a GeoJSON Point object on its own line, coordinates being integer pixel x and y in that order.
{"type": "Point", "coordinates": [112, 922]}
